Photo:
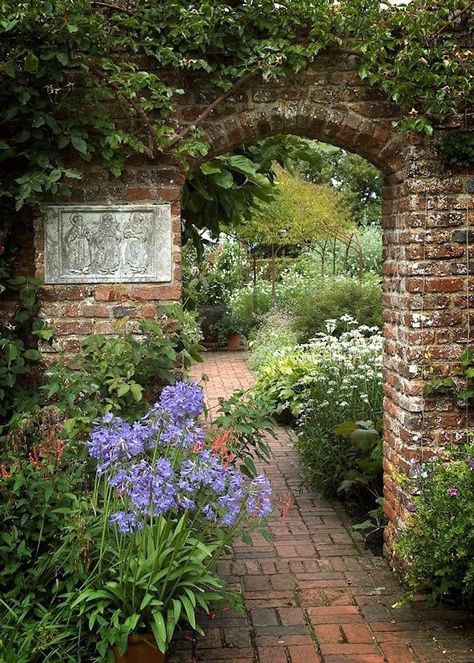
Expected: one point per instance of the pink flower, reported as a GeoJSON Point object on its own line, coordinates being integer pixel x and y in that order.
{"type": "Point", "coordinates": [452, 491]}
{"type": "Point", "coordinates": [411, 507]}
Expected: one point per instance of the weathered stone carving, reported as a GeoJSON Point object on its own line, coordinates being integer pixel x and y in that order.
{"type": "Point", "coordinates": [100, 244]}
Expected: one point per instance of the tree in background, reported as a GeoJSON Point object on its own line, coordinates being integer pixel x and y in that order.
{"type": "Point", "coordinates": [358, 180]}
{"type": "Point", "coordinates": [224, 192]}
{"type": "Point", "coordinates": [300, 213]}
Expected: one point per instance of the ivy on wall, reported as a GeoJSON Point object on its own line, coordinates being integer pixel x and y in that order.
{"type": "Point", "coordinates": [68, 68]}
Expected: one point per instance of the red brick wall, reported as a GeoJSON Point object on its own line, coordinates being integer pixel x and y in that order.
{"type": "Point", "coordinates": [425, 215]}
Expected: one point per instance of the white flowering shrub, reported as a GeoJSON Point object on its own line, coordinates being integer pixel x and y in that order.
{"type": "Point", "coordinates": [345, 387]}
{"type": "Point", "coordinates": [346, 382]}
{"type": "Point", "coordinates": [323, 384]}
{"type": "Point", "coordinates": [339, 376]}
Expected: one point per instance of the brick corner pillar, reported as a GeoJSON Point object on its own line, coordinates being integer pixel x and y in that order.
{"type": "Point", "coordinates": [428, 243]}
{"type": "Point", "coordinates": [73, 311]}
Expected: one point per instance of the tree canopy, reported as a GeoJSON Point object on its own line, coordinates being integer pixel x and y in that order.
{"type": "Point", "coordinates": [299, 213]}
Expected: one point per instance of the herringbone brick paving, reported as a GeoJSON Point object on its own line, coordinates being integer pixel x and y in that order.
{"type": "Point", "coordinates": [314, 594]}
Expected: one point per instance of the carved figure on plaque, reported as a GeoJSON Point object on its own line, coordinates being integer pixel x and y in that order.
{"type": "Point", "coordinates": [107, 240]}
{"type": "Point", "coordinates": [135, 234]}
{"type": "Point", "coordinates": [78, 244]}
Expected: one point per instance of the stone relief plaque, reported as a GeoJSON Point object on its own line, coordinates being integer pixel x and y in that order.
{"type": "Point", "coordinates": [108, 244]}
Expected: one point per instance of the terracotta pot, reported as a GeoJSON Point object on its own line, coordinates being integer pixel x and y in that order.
{"type": "Point", "coordinates": [233, 341]}
{"type": "Point", "coordinates": [210, 316]}
{"type": "Point", "coordinates": [141, 649]}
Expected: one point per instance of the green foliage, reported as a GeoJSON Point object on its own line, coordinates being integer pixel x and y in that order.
{"type": "Point", "coordinates": [155, 579]}
{"type": "Point", "coordinates": [61, 56]}
{"type": "Point", "coordinates": [280, 379]}
{"type": "Point", "coordinates": [439, 539]}
{"type": "Point", "coordinates": [360, 299]}
{"type": "Point", "coordinates": [118, 374]}
{"type": "Point", "coordinates": [223, 190]}
{"type": "Point", "coordinates": [273, 335]}
{"type": "Point", "coordinates": [249, 421]}
{"type": "Point", "coordinates": [230, 324]}
{"type": "Point", "coordinates": [362, 467]}
{"type": "Point", "coordinates": [44, 542]}
{"type": "Point", "coordinates": [249, 304]}
{"type": "Point", "coordinates": [18, 357]}
{"type": "Point", "coordinates": [457, 149]}
{"type": "Point", "coordinates": [357, 181]}
{"type": "Point", "coordinates": [321, 384]}
{"type": "Point", "coordinates": [299, 213]}
{"type": "Point", "coordinates": [214, 277]}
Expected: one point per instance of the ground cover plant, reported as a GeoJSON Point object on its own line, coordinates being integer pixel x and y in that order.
{"type": "Point", "coordinates": [438, 541]}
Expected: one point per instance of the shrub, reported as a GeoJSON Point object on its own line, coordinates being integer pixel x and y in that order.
{"type": "Point", "coordinates": [20, 361]}
{"type": "Point", "coordinates": [284, 377]}
{"type": "Point", "coordinates": [248, 306]}
{"type": "Point", "coordinates": [334, 298]}
{"type": "Point", "coordinates": [121, 374]}
{"type": "Point", "coordinates": [275, 334]}
{"type": "Point", "coordinates": [44, 541]}
{"type": "Point", "coordinates": [345, 387]}
{"type": "Point", "coordinates": [214, 278]}
{"type": "Point", "coordinates": [439, 540]}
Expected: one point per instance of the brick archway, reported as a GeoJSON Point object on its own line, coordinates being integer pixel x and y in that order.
{"type": "Point", "coordinates": [425, 217]}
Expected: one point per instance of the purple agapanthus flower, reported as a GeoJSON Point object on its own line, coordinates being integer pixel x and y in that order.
{"type": "Point", "coordinates": [259, 500]}
{"type": "Point", "coordinates": [126, 522]}
{"type": "Point", "coordinates": [453, 491]}
{"type": "Point", "coordinates": [116, 441]}
{"type": "Point", "coordinates": [185, 475]}
{"type": "Point", "coordinates": [411, 507]}
{"type": "Point", "coordinates": [470, 462]}
{"type": "Point", "coordinates": [182, 400]}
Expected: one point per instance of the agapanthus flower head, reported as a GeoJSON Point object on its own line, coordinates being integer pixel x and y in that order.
{"type": "Point", "coordinates": [411, 507]}
{"type": "Point", "coordinates": [259, 498]}
{"type": "Point", "coordinates": [182, 400]}
{"type": "Point", "coordinates": [127, 522]}
{"type": "Point", "coordinates": [453, 491]}
{"type": "Point", "coordinates": [470, 462]}
{"type": "Point", "coordinates": [114, 441]}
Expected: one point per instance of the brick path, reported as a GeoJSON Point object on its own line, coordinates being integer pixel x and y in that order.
{"type": "Point", "coordinates": [315, 594]}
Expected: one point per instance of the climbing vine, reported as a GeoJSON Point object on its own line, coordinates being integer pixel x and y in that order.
{"type": "Point", "coordinates": [70, 68]}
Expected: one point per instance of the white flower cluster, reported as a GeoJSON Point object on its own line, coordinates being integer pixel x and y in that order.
{"type": "Point", "coordinates": [331, 379]}
{"type": "Point", "coordinates": [347, 377]}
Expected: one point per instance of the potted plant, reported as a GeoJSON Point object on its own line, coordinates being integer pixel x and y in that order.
{"type": "Point", "coordinates": [169, 506]}
{"type": "Point", "coordinates": [230, 330]}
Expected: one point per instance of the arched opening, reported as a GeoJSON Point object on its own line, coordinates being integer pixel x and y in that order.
{"type": "Point", "coordinates": [282, 256]}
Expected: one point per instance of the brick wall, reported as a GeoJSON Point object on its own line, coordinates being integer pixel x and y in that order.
{"type": "Point", "coordinates": [426, 216]}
